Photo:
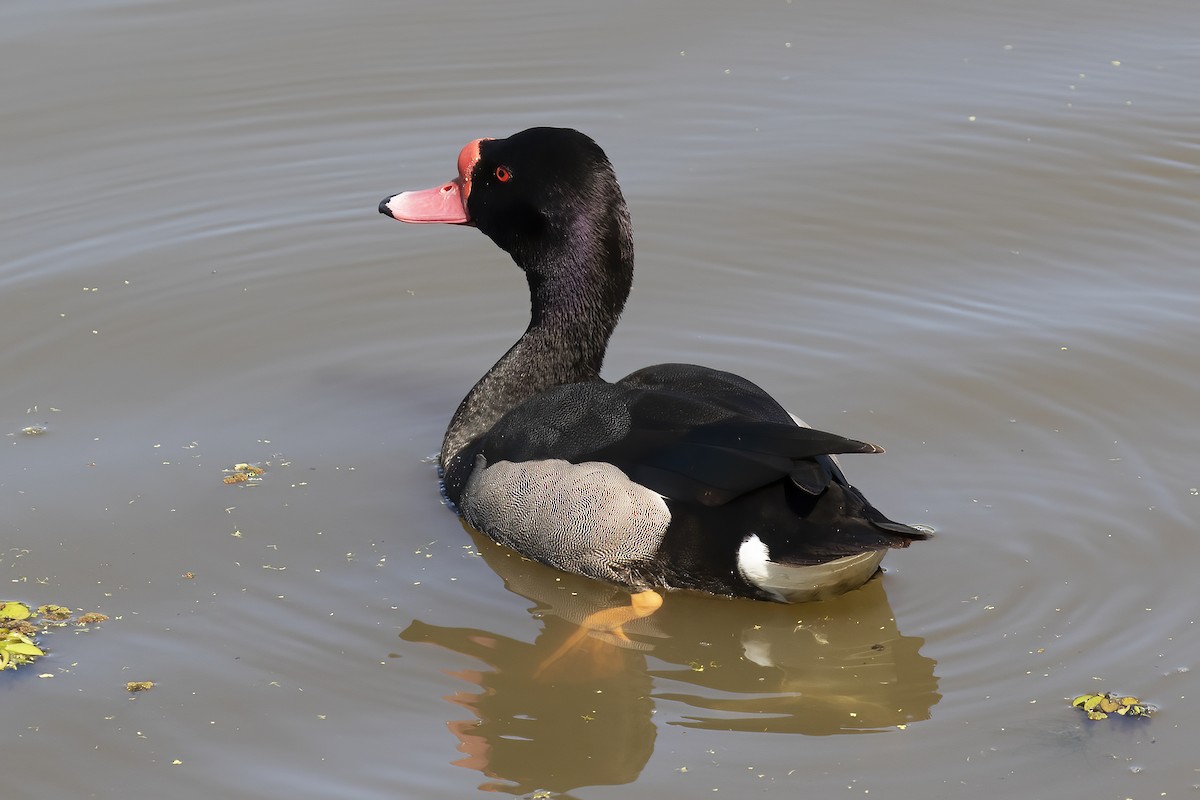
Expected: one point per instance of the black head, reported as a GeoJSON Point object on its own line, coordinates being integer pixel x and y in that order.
{"type": "Point", "coordinates": [543, 189]}
{"type": "Point", "coordinates": [535, 194]}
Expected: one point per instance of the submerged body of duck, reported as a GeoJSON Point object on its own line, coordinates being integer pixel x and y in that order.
{"type": "Point", "coordinates": [677, 476]}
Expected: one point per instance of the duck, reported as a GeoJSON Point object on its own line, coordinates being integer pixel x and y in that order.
{"type": "Point", "coordinates": [674, 477]}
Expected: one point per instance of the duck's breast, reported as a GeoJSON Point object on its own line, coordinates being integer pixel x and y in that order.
{"type": "Point", "coordinates": [587, 518]}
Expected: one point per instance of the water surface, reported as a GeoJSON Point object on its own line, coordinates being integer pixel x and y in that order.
{"type": "Point", "coordinates": [965, 231]}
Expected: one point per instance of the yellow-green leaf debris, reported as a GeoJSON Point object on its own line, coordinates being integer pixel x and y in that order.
{"type": "Point", "coordinates": [1099, 706]}
{"type": "Point", "coordinates": [13, 610]}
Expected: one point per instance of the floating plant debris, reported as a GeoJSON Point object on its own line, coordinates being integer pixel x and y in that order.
{"type": "Point", "coordinates": [243, 473]}
{"type": "Point", "coordinates": [16, 647]}
{"type": "Point", "coordinates": [54, 612]}
{"type": "Point", "coordinates": [12, 610]}
{"type": "Point", "coordinates": [17, 650]}
{"type": "Point", "coordinates": [19, 625]}
{"type": "Point", "coordinates": [1099, 706]}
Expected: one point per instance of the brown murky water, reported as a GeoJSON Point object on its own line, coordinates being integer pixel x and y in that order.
{"type": "Point", "coordinates": [965, 231]}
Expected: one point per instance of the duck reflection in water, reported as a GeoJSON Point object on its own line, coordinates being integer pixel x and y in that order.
{"type": "Point", "coordinates": [833, 667]}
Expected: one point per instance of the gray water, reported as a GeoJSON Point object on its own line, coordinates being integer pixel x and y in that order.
{"type": "Point", "coordinates": [965, 231]}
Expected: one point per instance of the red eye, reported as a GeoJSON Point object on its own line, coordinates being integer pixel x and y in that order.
{"type": "Point", "coordinates": [503, 174]}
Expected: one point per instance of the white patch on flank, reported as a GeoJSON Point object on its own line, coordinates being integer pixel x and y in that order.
{"type": "Point", "coordinates": [753, 560]}
{"type": "Point", "coordinates": [796, 584]}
